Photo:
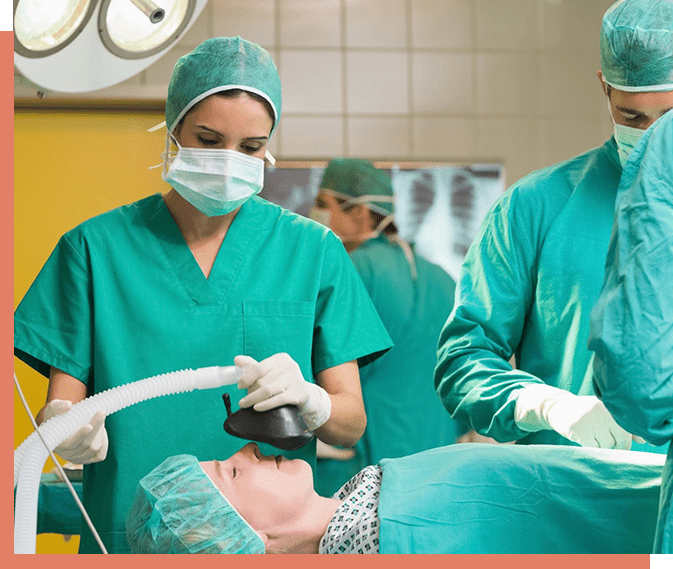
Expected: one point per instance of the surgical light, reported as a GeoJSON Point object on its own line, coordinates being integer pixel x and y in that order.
{"type": "Point", "coordinates": [74, 46]}
{"type": "Point", "coordinates": [141, 30]}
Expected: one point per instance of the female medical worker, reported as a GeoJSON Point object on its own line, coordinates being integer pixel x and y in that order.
{"type": "Point", "coordinates": [632, 322]}
{"type": "Point", "coordinates": [194, 278]}
{"type": "Point", "coordinates": [413, 298]}
{"type": "Point", "coordinates": [534, 272]}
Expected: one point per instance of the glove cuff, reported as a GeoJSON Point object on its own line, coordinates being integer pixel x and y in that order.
{"type": "Point", "coordinates": [533, 403]}
{"type": "Point", "coordinates": [317, 408]}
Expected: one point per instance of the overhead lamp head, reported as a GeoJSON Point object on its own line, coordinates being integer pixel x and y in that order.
{"type": "Point", "coordinates": [60, 47]}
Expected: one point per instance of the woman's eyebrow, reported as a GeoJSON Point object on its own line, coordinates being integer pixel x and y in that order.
{"type": "Point", "coordinates": [217, 132]}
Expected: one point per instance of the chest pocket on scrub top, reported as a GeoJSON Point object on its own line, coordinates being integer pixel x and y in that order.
{"type": "Point", "coordinates": [271, 327]}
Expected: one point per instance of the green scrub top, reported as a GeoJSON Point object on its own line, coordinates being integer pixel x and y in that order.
{"type": "Point", "coordinates": [631, 324]}
{"type": "Point", "coordinates": [404, 413]}
{"type": "Point", "coordinates": [527, 286]}
{"type": "Point", "coordinates": [502, 499]}
{"type": "Point", "coordinates": [122, 298]}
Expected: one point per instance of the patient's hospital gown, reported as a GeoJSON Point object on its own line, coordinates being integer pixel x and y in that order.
{"type": "Point", "coordinates": [122, 298]}
{"type": "Point", "coordinates": [632, 323]}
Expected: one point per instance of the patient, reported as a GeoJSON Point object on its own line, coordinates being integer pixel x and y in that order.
{"type": "Point", "coordinates": [459, 499]}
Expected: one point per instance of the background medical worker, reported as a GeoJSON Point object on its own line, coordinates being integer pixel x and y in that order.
{"type": "Point", "coordinates": [534, 272]}
{"type": "Point", "coordinates": [194, 278]}
{"type": "Point", "coordinates": [413, 298]}
{"type": "Point", "coordinates": [632, 322]}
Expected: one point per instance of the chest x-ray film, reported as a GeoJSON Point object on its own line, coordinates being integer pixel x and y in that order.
{"type": "Point", "coordinates": [438, 207]}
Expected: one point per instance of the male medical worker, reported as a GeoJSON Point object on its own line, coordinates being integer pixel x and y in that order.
{"type": "Point", "coordinates": [535, 271]}
{"type": "Point", "coordinates": [632, 322]}
{"type": "Point", "coordinates": [412, 296]}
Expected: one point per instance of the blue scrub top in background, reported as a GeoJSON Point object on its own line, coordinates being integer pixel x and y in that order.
{"type": "Point", "coordinates": [404, 413]}
{"type": "Point", "coordinates": [632, 322]}
{"type": "Point", "coordinates": [527, 287]}
{"type": "Point", "coordinates": [122, 298]}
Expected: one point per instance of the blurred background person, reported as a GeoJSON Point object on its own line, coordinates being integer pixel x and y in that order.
{"type": "Point", "coordinates": [412, 296]}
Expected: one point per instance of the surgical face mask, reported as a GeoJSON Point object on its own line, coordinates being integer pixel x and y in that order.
{"type": "Point", "coordinates": [626, 137]}
{"type": "Point", "coordinates": [214, 181]}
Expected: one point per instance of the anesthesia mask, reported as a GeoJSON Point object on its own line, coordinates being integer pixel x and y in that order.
{"type": "Point", "coordinates": [282, 427]}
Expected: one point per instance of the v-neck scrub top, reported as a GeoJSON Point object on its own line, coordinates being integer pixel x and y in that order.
{"type": "Point", "coordinates": [122, 298]}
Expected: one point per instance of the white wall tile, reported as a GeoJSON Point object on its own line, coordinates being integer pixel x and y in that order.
{"type": "Point", "coordinates": [445, 138]}
{"type": "Point", "coordinates": [200, 30]}
{"type": "Point", "coordinates": [376, 23]}
{"type": "Point", "coordinates": [378, 138]}
{"type": "Point", "coordinates": [161, 70]}
{"type": "Point", "coordinates": [310, 23]}
{"type": "Point", "coordinates": [503, 24]}
{"type": "Point", "coordinates": [564, 138]}
{"type": "Point", "coordinates": [312, 137]}
{"type": "Point", "coordinates": [516, 143]}
{"type": "Point", "coordinates": [569, 85]}
{"type": "Point", "coordinates": [572, 25]}
{"type": "Point", "coordinates": [311, 80]}
{"type": "Point", "coordinates": [377, 82]}
{"type": "Point", "coordinates": [445, 24]}
{"type": "Point", "coordinates": [442, 83]}
{"type": "Point", "coordinates": [253, 20]}
{"type": "Point", "coordinates": [507, 83]}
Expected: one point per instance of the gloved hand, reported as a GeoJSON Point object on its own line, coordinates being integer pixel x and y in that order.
{"type": "Point", "coordinates": [580, 418]}
{"type": "Point", "coordinates": [277, 381]}
{"type": "Point", "coordinates": [89, 444]}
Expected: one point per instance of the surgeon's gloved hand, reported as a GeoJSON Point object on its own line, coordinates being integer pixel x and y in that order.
{"type": "Point", "coordinates": [277, 381]}
{"type": "Point", "coordinates": [582, 419]}
{"type": "Point", "coordinates": [89, 444]}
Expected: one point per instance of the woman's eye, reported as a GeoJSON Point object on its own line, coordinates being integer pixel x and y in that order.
{"type": "Point", "coordinates": [251, 149]}
{"type": "Point", "coordinates": [207, 141]}
{"type": "Point", "coordinates": [233, 474]}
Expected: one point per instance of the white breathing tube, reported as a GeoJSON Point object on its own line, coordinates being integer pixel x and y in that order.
{"type": "Point", "coordinates": [30, 456]}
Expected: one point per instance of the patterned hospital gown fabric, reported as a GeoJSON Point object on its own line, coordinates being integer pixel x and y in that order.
{"type": "Point", "coordinates": [354, 528]}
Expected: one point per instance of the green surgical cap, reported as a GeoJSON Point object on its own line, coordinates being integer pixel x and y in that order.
{"type": "Point", "coordinates": [222, 64]}
{"type": "Point", "coordinates": [637, 45]}
{"type": "Point", "coordinates": [178, 509]}
{"type": "Point", "coordinates": [351, 179]}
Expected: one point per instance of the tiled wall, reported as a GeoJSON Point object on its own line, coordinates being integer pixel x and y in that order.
{"type": "Point", "coordinates": [512, 81]}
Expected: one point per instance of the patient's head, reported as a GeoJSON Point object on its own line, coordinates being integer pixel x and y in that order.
{"type": "Point", "coordinates": [248, 503]}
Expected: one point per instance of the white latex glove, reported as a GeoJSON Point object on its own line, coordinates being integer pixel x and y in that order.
{"type": "Point", "coordinates": [89, 444]}
{"type": "Point", "coordinates": [582, 419]}
{"type": "Point", "coordinates": [277, 381]}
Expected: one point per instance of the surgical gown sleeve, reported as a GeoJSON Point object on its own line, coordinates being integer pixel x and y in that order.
{"type": "Point", "coordinates": [632, 323]}
{"type": "Point", "coordinates": [473, 376]}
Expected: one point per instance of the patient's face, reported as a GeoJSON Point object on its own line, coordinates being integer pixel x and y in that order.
{"type": "Point", "coordinates": [265, 490]}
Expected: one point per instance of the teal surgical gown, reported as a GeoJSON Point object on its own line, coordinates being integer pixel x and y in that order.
{"type": "Point", "coordinates": [527, 287]}
{"type": "Point", "coordinates": [477, 498]}
{"type": "Point", "coordinates": [632, 322]}
{"type": "Point", "coordinates": [404, 413]}
{"type": "Point", "coordinates": [122, 298]}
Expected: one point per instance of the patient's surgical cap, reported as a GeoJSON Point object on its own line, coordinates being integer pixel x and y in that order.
{"type": "Point", "coordinates": [178, 509]}
{"type": "Point", "coordinates": [222, 64]}
{"type": "Point", "coordinates": [358, 181]}
{"type": "Point", "coordinates": [637, 45]}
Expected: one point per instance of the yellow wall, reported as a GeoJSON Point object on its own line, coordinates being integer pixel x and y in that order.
{"type": "Point", "coordinates": [68, 167]}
